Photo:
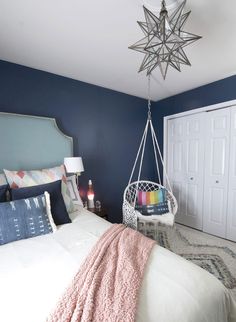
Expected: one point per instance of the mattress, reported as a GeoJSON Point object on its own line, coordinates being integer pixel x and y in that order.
{"type": "Point", "coordinates": [35, 272]}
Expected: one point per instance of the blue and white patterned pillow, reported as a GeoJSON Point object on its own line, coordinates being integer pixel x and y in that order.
{"type": "Point", "coordinates": [25, 218]}
{"type": "Point", "coordinates": [159, 209]}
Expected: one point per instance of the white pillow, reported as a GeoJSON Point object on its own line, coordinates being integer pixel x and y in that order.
{"type": "Point", "coordinates": [48, 210]}
{"type": "Point", "coordinates": [74, 192]}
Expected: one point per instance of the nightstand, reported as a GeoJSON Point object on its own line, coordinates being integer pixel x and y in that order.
{"type": "Point", "coordinates": [102, 213]}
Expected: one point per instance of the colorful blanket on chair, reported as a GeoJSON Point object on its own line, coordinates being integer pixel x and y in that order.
{"type": "Point", "coordinates": [107, 284]}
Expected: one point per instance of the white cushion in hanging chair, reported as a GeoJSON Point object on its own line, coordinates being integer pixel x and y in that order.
{"type": "Point", "coordinates": [131, 215]}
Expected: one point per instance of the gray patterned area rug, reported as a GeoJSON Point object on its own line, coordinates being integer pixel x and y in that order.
{"type": "Point", "coordinates": [216, 255]}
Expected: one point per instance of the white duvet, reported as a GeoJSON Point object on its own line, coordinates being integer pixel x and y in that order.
{"type": "Point", "coordinates": [35, 272]}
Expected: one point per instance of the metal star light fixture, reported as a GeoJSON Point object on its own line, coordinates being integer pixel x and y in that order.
{"type": "Point", "coordinates": [164, 40]}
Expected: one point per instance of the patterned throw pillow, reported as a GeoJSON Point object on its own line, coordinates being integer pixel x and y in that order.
{"type": "Point", "coordinates": [158, 209]}
{"type": "Point", "coordinates": [152, 202]}
{"type": "Point", "coordinates": [74, 192]}
{"type": "Point", "coordinates": [58, 208]}
{"type": "Point", "coordinates": [25, 218]}
{"type": "Point", "coordinates": [151, 197]}
{"type": "Point", "coordinates": [20, 179]}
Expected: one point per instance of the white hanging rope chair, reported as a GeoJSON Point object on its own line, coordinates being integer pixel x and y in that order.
{"type": "Point", "coordinates": [130, 214]}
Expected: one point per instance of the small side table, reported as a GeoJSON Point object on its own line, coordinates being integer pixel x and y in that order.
{"type": "Point", "coordinates": [102, 213]}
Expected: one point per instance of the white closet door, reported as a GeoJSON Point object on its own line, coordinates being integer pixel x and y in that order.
{"type": "Point", "coordinates": [216, 171]}
{"type": "Point", "coordinates": [231, 218]}
{"type": "Point", "coordinates": [185, 159]}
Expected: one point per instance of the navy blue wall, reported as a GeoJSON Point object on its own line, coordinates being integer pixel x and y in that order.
{"type": "Point", "coordinates": [106, 125]}
{"type": "Point", "coordinates": [213, 93]}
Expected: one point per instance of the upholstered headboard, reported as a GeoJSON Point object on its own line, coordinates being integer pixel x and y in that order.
{"type": "Point", "coordinates": [31, 142]}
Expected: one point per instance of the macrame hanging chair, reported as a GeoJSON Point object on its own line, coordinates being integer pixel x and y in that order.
{"type": "Point", "coordinates": [135, 189]}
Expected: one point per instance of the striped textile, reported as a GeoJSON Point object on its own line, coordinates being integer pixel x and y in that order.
{"type": "Point", "coordinates": [151, 197]}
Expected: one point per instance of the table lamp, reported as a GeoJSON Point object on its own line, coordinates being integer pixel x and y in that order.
{"type": "Point", "coordinates": [74, 165]}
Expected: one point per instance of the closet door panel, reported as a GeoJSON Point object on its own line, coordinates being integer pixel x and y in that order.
{"type": "Point", "coordinates": [192, 200]}
{"type": "Point", "coordinates": [193, 156]}
{"type": "Point", "coordinates": [216, 172]}
{"type": "Point", "coordinates": [216, 204]}
{"type": "Point", "coordinates": [185, 167]}
{"type": "Point", "coordinates": [231, 218]}
{"type": "Point", "coordinates": [178, 192]}
{"type": "Point", "coordinates": [194, 138]}
{"type": "Point", "coordinates": [176, 162]}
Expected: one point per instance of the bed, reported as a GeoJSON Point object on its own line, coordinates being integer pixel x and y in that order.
{"type": "Point", "coordinates": [34, 272]}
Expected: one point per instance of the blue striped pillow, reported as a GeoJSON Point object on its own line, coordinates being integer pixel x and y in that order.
{"type": "Point", "coordinates": [25, 218]}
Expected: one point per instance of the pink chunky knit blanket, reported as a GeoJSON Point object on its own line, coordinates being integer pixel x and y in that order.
{"type": "Point", "coordinates": [105, 289]}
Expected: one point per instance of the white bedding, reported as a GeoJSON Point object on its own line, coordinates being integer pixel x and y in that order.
{"type": "Point", "coordinates": [35, 272]}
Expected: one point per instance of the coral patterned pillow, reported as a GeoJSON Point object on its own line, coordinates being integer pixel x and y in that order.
{"type": "Point", "coordinates": [20, 179]}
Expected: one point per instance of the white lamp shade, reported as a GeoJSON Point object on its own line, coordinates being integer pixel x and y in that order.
{"type": "Point", "coordinates": [74, 165]}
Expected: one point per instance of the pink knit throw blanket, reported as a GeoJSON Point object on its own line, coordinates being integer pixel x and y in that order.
{"type": "Point", "coordinates": [105, 289]}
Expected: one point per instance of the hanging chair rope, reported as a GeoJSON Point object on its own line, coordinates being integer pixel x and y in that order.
{"type": "Point", "coordinates": [155, 153]}
{"type": "Point", "coordinates": [162, 161]}
{"type": "Point", "coordinates": [139, 149]}
{"type": "Point", "coordinates": [150, 120]}
{"type": "Point", "coordinates": [142, 155]}
{"type": "Point", "coordinates": [131, 215]}
{"type": "Point", "coordinates": [156, 148]}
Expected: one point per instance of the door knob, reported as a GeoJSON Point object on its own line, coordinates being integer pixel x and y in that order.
{"type": "Point", "coordinates": [217, 181]}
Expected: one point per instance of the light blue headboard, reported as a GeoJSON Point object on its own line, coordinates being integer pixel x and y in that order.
{"type": "Point", "coordinates": [30, 142]}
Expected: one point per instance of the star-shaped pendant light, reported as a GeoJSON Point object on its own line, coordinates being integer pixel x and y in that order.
{"type": "Point", "coordinates": [164, 40]}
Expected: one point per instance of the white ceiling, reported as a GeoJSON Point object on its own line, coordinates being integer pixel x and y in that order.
{"type": "Point", "coordinates": [88, 41]}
